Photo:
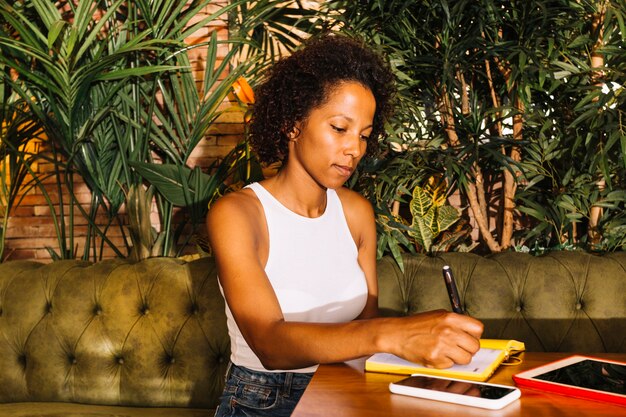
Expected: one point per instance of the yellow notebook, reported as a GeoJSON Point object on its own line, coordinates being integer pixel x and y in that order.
{"type": "Point", "coordinates": [492, 353]}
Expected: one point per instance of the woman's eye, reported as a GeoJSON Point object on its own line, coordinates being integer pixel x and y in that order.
{"type": "Point", "coordinates": [365, 137]}
{"type": "Point", "coordinates": [338, 129]}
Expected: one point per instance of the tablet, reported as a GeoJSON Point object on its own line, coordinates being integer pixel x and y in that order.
{"type": "Point", "coordinates": [579, 376]}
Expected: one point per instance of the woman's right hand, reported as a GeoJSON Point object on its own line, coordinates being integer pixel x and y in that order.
{"type": "Point", "coordinates": [437, 339]}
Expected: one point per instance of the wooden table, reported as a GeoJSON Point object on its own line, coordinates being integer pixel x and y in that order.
{"type": "Point", "coordinates": [345, 390]}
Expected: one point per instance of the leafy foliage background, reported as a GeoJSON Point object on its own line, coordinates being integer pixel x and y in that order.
{"type": "Point", "coordinates": [520, 105]}
{"type": "Point", "coordinates": [516, 108]}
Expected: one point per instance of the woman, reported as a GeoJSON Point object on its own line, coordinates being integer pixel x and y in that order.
{"type": "Point", "coordinates": [296, 253]}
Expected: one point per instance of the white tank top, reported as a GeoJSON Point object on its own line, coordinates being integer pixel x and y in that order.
{"type": "Point", "coordinates": [313, 268]}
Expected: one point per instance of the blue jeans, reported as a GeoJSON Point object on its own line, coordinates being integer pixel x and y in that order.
{"type": "Point", "coordinates": [249, 393]}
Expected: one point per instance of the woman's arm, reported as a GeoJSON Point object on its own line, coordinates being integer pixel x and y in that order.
{"type": "Point", "coordinates": [236, 232]}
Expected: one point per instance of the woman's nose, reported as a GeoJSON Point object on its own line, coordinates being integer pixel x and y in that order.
{"type": "Point", "coordinates": [355, 146]}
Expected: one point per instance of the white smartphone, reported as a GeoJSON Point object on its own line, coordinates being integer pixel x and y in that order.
{"type": "Point", "coordinates": [457, 391]}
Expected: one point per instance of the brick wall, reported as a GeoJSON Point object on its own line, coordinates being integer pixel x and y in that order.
{"type": "Point", "coordinates": [31, 225]}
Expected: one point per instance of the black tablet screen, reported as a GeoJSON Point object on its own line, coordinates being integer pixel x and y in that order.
{"type": "Point", "coordinates": [591, 374]}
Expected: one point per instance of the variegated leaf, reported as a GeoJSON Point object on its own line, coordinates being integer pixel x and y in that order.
{"type": "Point", "coordinates": [422, 233]}
{"type": "Point", "coordinates": [446, 217]}
{"type": "Point", "coordinates": [420, 203]}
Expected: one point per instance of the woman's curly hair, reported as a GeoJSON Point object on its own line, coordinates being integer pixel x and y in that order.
{"type": "Point", "coordinates": [304, 81]}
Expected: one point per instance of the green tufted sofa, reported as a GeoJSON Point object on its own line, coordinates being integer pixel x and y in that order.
{"type": "Point", "coordinates": [111, 339]}
{"type": "Point", "coordinates": [150, 339]}
{"type": "Point", "coordinates": [561, 302]}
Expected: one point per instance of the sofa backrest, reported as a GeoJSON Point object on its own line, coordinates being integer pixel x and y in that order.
{"type": "Point", "coordinates": [563, 301]}
{"type": "Point", "coordinates": [151, 333]}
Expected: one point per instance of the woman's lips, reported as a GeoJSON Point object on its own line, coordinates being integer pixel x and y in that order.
{"type": "Point", "coordinates": [344, 170]}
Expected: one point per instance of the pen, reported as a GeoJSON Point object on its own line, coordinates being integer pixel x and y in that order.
{"type": "Point", "coordinates": [453, 293]}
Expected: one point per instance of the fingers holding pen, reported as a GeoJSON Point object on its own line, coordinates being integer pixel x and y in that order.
{"type": "Point", "coordinates": [439, 338]}
{"type": "Point", "coordinates": [469, 325]}
{"type": "Point", "coordinates": [463, 334]}
{"type": "Point", "coordinates": [455, 325]}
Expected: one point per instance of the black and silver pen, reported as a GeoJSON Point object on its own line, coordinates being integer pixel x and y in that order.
{"type": "Point", "coordinates": [453, 293]}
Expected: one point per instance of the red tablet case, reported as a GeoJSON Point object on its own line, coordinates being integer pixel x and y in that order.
{"type": "Point", "coordinates": [569, 390]}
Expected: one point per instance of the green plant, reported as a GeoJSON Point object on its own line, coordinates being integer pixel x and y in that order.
{"type": "Point", "coordinates": [72, 62]}
{"type": "Point", "coordinates": [255, 33]}
{"type": "Point", "coordinates": [500, 98]}
{"type": "Point", "coordinates": [185, 187]}
{"type": "Point", "coordinates": [146, 242]}
{"type": "Point", "coordinates": [19, 140]}
{"type": "Point", "coordinates": [113, 87]}
{"type": "Point", "coordinates": [430, 214]}
{"type": "Point", "coordinates": [272, 29]}
{"type": "Point", "coordinates": [386, 180]}
{"type": "Point", "coordinates": [428, 225]}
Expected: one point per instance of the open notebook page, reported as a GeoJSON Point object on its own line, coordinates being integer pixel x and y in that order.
{"type": "Point", "coordinates": [481, 361]}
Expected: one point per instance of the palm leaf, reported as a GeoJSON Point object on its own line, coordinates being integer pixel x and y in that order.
{"type": "Point", "coordinates": [180, 185]}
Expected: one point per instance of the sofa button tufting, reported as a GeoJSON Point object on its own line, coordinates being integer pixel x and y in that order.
{"type": "Point", "coordinates": [120, 360]}
{"type": "Point", "coordinates": [518, 308]}
{"type": "Point", "coordinates": [579, 306]}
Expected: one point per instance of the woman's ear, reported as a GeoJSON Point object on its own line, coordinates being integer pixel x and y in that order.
{"type": "Point", "coordinates": [294, 133]}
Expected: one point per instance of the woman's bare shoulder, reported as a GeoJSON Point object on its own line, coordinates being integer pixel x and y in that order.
{"type": "Point", "coordinates": [245, 198]}
{"type": "Point", "coordinates": [353, 201]}
{"type": "Point", "coordinates": [359, 216]}
{"type": "Point", "coordinates": [239, 207]}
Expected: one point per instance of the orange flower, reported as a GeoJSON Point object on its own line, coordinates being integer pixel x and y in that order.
{"type": "Point", "coordinates": [243, 91]}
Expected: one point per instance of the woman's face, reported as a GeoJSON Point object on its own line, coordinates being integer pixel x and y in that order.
{"type": "Point", "coordinates": [333, 139]}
